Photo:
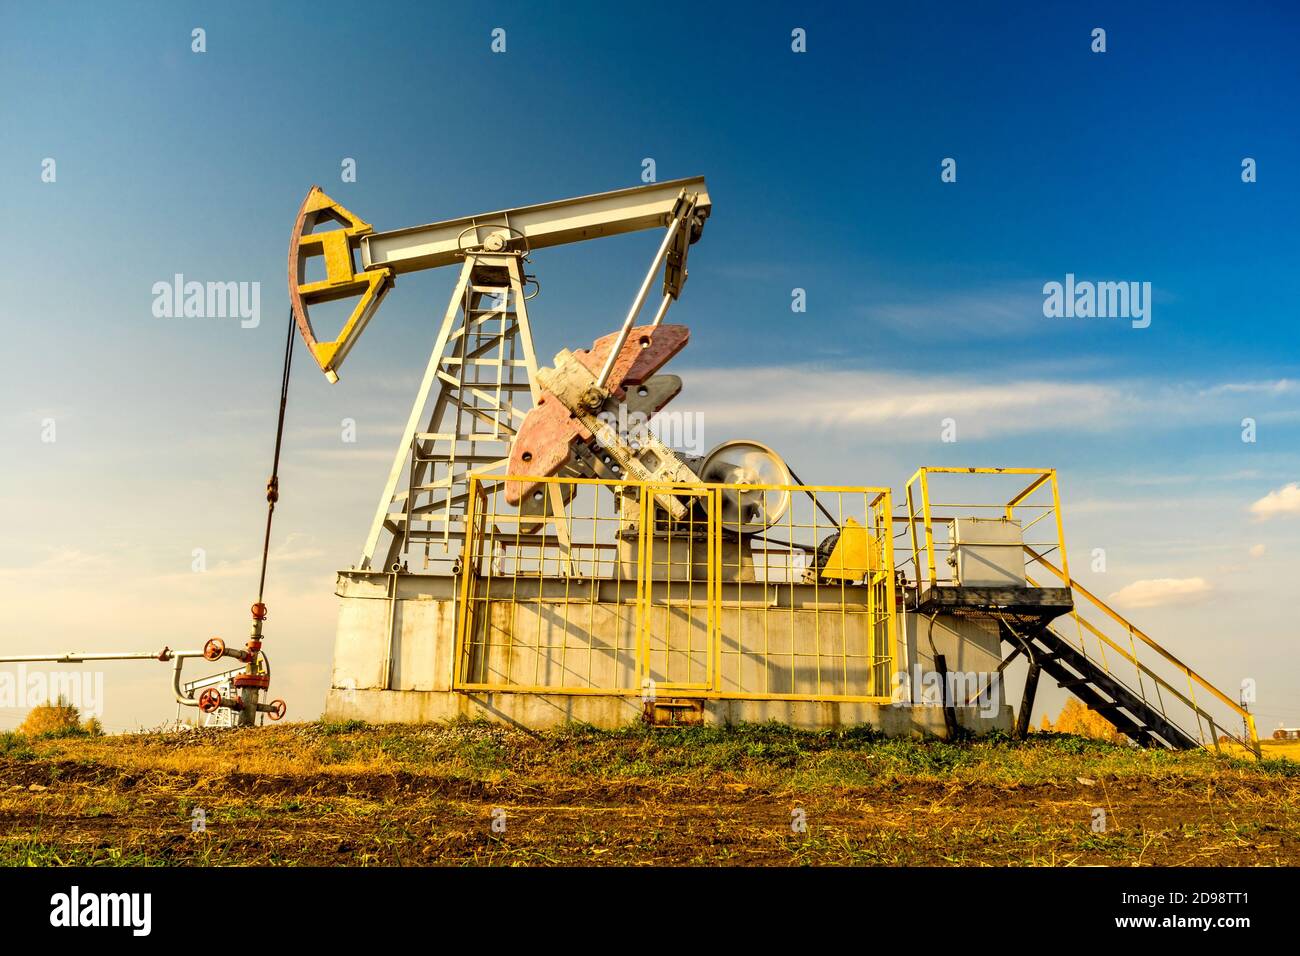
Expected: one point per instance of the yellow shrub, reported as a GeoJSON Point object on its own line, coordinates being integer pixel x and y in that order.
{"type": "Point", "coordinates": [1075, 718]}
{"type": "Point", "coordinates": [58, 717]}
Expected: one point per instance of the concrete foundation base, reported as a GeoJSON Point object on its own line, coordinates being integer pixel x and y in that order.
{"type": "Point", "coordinates": [394, 650]}
{"type": "Point", "coordinates": [539, 711]}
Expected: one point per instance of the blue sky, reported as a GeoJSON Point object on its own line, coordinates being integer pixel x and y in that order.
{"type": "Point", "coordinates": [824, 168]}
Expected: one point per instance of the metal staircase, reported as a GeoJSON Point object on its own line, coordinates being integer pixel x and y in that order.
{"type": "Point", "coordinates": [1102, 658]}
{"type": "Point", "coordinates": [1138, 696]}
{"type": "Point", "coordinates": [1050, 652]}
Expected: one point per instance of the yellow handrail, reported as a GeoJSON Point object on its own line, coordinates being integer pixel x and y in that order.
{"type": "Point", "coordinates": [1137, 632]}
{"type": "Point", "coordinates": [1138, 666]}
{"type": "Point", "coordinates": [923, 560]}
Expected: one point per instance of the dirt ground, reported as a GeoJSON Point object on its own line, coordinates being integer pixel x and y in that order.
{"type": "Point", "coordinates": [322, 794]}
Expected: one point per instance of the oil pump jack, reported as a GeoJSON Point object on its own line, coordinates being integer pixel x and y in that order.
{"type": "Point", "coordinates": [486, 405]}
{"type": "Point", "coordinates": [735, 591]}
{"type": "Point", "coordinates": [512, 618]}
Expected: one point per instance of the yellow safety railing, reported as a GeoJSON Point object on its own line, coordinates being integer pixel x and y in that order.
{"type": "Point", "coordinates": [1116, 645]}
{"type": "Point", "coordinates": [1162, 680]}
{"type": "Point", "coordinates": [752, 592]}
{"type": "Point", "coordinates": [928, 521]}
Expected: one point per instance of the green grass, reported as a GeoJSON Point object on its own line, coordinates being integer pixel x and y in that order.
{"type": "Point", "coordinates": [347, 792]}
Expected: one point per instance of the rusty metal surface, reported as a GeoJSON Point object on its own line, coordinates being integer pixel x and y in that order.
{"type": "Point", "coordinates": [300, 226]}
{"type": "Point", "coordinates": [646, 350]}
{"type": "Point", "coordinates": [544, 442]}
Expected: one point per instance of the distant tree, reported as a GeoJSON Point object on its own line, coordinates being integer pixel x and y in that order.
{"type": "Point", "coordinates": [1076, 718]}
{"type": "Point", "coordinates": [57, 717]}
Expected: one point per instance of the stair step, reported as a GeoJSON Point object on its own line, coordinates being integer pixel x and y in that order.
{"type": "Point", "coordinates": [1126, 708]}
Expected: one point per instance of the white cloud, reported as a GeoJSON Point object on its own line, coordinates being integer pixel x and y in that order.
{"type": "Point", "coordinates": [984, 312]}
{"type": "Point", "coordinates": [1155, 592]}
{"type": "Point", "coordinates": [899, 405]}
{"type": "Point", "coordinates": [907, 406]}
{"type": "Point", "coordinates": [1279, 386]}
{"type": "Point", "coordinates": [1283, 501]}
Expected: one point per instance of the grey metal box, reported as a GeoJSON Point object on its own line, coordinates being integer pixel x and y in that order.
{"type": "Point", "coordinates": [988, 552]}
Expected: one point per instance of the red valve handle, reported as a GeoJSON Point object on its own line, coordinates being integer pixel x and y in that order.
{"type": "Point", "coordinates": [214, 650]}
{"type": "Point", "coordinates": [210, 701]}
{"type": "Point", "coordinates": [277, 710]}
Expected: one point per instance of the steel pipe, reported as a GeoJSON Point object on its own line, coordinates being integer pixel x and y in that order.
{"type": "Point", "coordinates": [663, 310]}
{"type": "Point", "coordinates": [78, 657]}
{"type": "Point", "coordinates": [617, 347]}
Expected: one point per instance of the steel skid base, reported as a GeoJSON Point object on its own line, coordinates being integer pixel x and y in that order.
{"type": "Point", "coordinates": [544, 711]}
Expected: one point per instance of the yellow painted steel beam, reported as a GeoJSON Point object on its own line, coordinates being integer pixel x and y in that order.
{"type": "Point", "coordinates": [688, 692]}
{"type": "Point", "coordinates": [929, 526]}
{"type": "Point", "coordinates": [940, 470]}
{"type": "Point", "coordinates": [468, 569]}
{"type": "Point", "coordinates": [1028, 490]}
{"type": "Point", "coordinates": [911, 525]}
{"type": "Point", "coordinates": [1060, 528]}
{"type": "Point", "coordinates": [886, 500]}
